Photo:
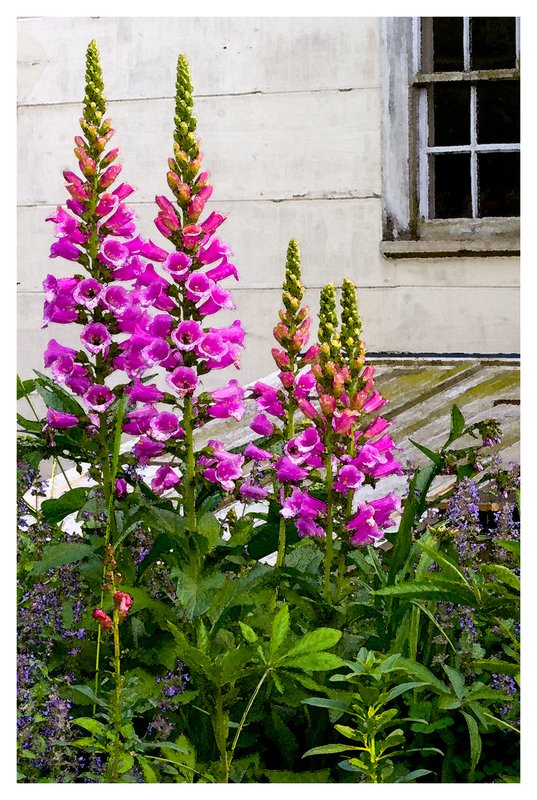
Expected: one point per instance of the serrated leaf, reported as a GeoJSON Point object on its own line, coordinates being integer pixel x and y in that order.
{"type": "Point", "coordinates": [311, 662]}
{"type": "Point", "coordinates": [502, 574]}
{"type": "Point", "coordinates": [456, 680]}
{"type": "Point", "coordinates": [92, 725]}
{"type": "Point", "coordinates": [315, 641]}
{"type": "Point", "coordinates": [249, 634]}
{"type": "Point", "coordinates": [209, 527]}
{"type": "Point", "coordinates": [195, 594]}
{"type": "Point", "coordinates": [150, 776]}
{"type": "Point", "coordinates": [164, 520]}
{"type": "Point", "coordinates": [435, 589]}
{"type": "Point", "coordinates": [55, 555]}
{"type": "Point", "coordinates": [56, 510]}
{"type": "Point", "coordinates": [475, 740]}
{"type": "Point", "coordinates": [280, 629]}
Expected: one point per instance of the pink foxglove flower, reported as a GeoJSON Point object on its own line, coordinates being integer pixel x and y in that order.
{"type": "Point", "coordinates": [102, 618]}
{"type": "Point", "coordinates": [123, 602]}
{"type": "Point", "coordinates": [165, 478]}
{"type": "Point", "coordinates": [59, 419]}
{"type": "Point", "coordinates": [99, 397]}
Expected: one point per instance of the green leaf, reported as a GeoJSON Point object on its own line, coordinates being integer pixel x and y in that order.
{"type": "Point", "coordinates": [126, 762]}
{"type": "Point", "coordinates": [502, 574]}
{"type": "Point", "coordinates": [311, 662]}
{"type": "Point", "coordinates": [475, 741]}
{"type": "Point", "coordinates": [55, 555]}
{"type": "Point", "coordinates": [287, 776]}
{"type": "Point", "coordinates": [420, 672]}
{"type": "Point", "coordinates": [249, 634]}
{"type": "Point", "coordinates": [149, 773]}
{"type": "Point", "coordinates": [314, 641]}
{"type": "Point", "coordinates": [444, 561]}
{"type": "Point", "coordinates": [434, 457]}
{"type": "Point", "coordinates": [56, 510]}
{"type": "Point", "coordinates": [326, 702]}
{"type": "Point", "coordinates": [88, 692]}
{"type": "Point", "coordinates": [280, 629]}
{"type": "Point", "coordinates": [209, 527]}
{"type": "Point", "coordinates": [93, 726]}
{"type": "Point", "coordinates": [195, 594]}
{"type": "Point", "coordinates": [58, 399]}
{"type": "Point", "coordinates": [434, 589]}
{"type": "Point", "coordinates": [164, 520]}
{"type": "Point", "coordinates": [496, 665]}
{"type": "Point", "coordinates": [397, 690]}
{"type": "Point", "coordinates": [325, 749]}
{"type": "Point", "coordinates": [196, 659]}
{"type": "Point", "coordinates": [456, 680]}
{"type": "Point", "coordinates": [24, 388]}
{"type": "Point", "coordinates": [457, 423]}
{"type": "Point", "coordinates": [410, 777]}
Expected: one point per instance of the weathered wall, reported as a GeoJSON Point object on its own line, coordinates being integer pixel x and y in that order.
{"type": "Point", "coordinates": [289, 116]}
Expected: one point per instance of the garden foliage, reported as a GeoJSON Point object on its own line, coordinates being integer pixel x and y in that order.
{"type": "Point", "coordinates": [245, 614]}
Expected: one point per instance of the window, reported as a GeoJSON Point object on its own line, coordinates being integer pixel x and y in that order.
{"type": "Point", "coordinates": [451, 120]}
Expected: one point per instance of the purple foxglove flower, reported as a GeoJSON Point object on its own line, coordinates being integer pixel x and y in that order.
{"type": "Point", "coordinates": [344, 421]}
{"type": "Point", "coordinates": [62, 368]}
{"type": "Point", "coordinates": [59, 289]}
{"type": "Point", "coordinates": [363, 525]}
{"type": "Point", "coordinates": [218, 299]}
{"type": "Point", "coordinates": [88, 293]}
{"type": "Point", "coordinates": [379, 425]}
{"type": "Point", "coordinates": [253, 492]}
{"type": "Point", "coordinates": [262, 425]}
{"type": "Point", "coordinates": [113, 253]}
{"type": "Point", "coordinates": [304, 385]}
{"type": "Point", "coordinates": [227, 472]}
{"type": "Point", "coordinates": [213, 221]}
{"type": "Point", "coordinates": [107, 204]}
{"type": "Point", "coordinates": [78, 381]}
{"type": "Point", "coordinates": [108, 177]}
{"type": "Point", "coordinates": [174, 360]}
{"type": "Point", "coordinates": [165, 478]}
{"type": "Point", "coordinates": [287, 471]}
{"type": "Point", "coordinates": [123, 191]}
{"type": "Point", "coordinates": [307, 408]}
{"type": "Point", "coordinates": [155, 352]}
{"type": "Point", "coordinates": [138, 421]}
{"type": "Point", "coordinates": [384, 507]}
{"type": "Point", "coordinates": [163, 426]}
{"type": "Point", "coordinates": [268, 399]}
{"type": "Point", "coordinates": [281, 358]}
{"type": "Point", "coordinates": [178, 265]}
{"type": "Point", "coordinates": [308, 529]}
{"type": "Point", "coordinates": [53, 313]}
{"type": "Point", "coordinates": [235, 333]}
{"type": "Point", "coordinates": [116, 299]}
{"type": "Point", "coordinates": [374, 402]}
{"type": "Point", "coordinates": [96, 337]}
{"type": "Point", "coordinates": [59, 419]}
{"type": "Point", "coordinates": [145, 449]}
{"type": "Point", "coordinates": [257, 453]}
{"type": "Point", "coordinates": [348, 478]}
{"type": "Point", "coordinates": [143, 393]}
{"type": "Point", "coordinates": [183, 381]}
{"type": "Point", "coordinates": [55, 350]}
{"type": "Point", "coordinates": [66, 226]}
{"type": "Point", "coordinates": [187, 334]}
{"type": "Point", "coordinates": [229, 402]}
{"type": "Point", "coordinates": [304, 445]}
{"type": "Point", "coordinates": [211, 346]}
{"type": "Point", "coordinates": [122, 223]}
{"type": "Point", "coordinates": [198, 286]}
{"type": "Point", "coordinates": [213, 252]}
{"type": "Point", "coordinates": [153, 252]}
{"type": "Point", "coordinates": [222, 271]}
{"type": "Point", "coordinates": [301, 504]}
{"type": "Point", "coordinates": [65, 249]}
{"type": "Point", "coordinates": [287, 379]}
{"type": "Point", "coordinates": [191, 236]}
{"type": "Point", "coordinates": [160, 326]}
{"type": "Point", "coordinates": [77, 208]}
{"type": "Point", "coordinates": [120, 487]}
{"type": "Point", "coordinates": [99, 397]}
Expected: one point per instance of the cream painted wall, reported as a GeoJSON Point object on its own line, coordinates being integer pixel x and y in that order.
{"type": "Point", "coordinates": [289, 116]}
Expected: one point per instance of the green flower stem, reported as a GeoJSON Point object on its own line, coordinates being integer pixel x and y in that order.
{"type": "Point", "coordinates": [117, 699]}
{"type": "Point", "coordinates": [342, 560]}
{"type": "Point", "coordinates": [221, 728]}
{"type": "Point", "coordinates": [329, 551]}
{"type": "Point", "coordinates": [189, 496]}
{"type": "Point", "coordinates": [245, 715]}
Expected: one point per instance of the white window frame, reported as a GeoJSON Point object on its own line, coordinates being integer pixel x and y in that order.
{"type": "Point", "coordinates": [407, 229]}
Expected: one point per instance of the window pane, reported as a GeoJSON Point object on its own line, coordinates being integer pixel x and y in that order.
{"type": "Point", "coordinates": [450, 185]}
{"type": "Point", "coordinates": [499, 184]}
{"type": "Point", "coordinates": [450, 122]}
{"type": "Point", "coordinates": [447, 44]}
{"type": "Point", "coordinates": [498, 112]}
{"type": "Point", "coordinates": [493, 42]}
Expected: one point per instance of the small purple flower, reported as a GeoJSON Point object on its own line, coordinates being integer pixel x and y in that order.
{"type": "Point", "coordinates": [187, 334]}
{"type": "Point", "coordinates": [99, 397]}
{"type": "Point", "coordinates": [302, 504]}
{"type": "Point", "coordinates": [59, 419]}
{"type": "Point", "coordinates": [262, 425]}
{"type": "Point", "coordinates": [307, 528]}
{"type": "Point", "coordinates": [165, 425]}
{"type": "Point", "coordinates": [229, 402]}
{"type": "Point", "coordinates": [252, 491]}
{"type": "Point", "coordinates": [143, 393]}
{"type": "Point", "coordinates": [183, 380]}
{"type": "Point", "coordinates": [178, 265]}
{"type": "Point", "coordinates": [145, 449]}
{"type": "Point", "coordinates": [257, 453]}
{"type": "Point", "coordinates": [88, 293]}
{"type": "Point", "coordinates": [165, 478]}
{"type": "Point", "coordinates": [287, 471]}
{"type": "Point", "coordinates": [113, 253]}
{"type": "Point", "coordinates": [96, 337]}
